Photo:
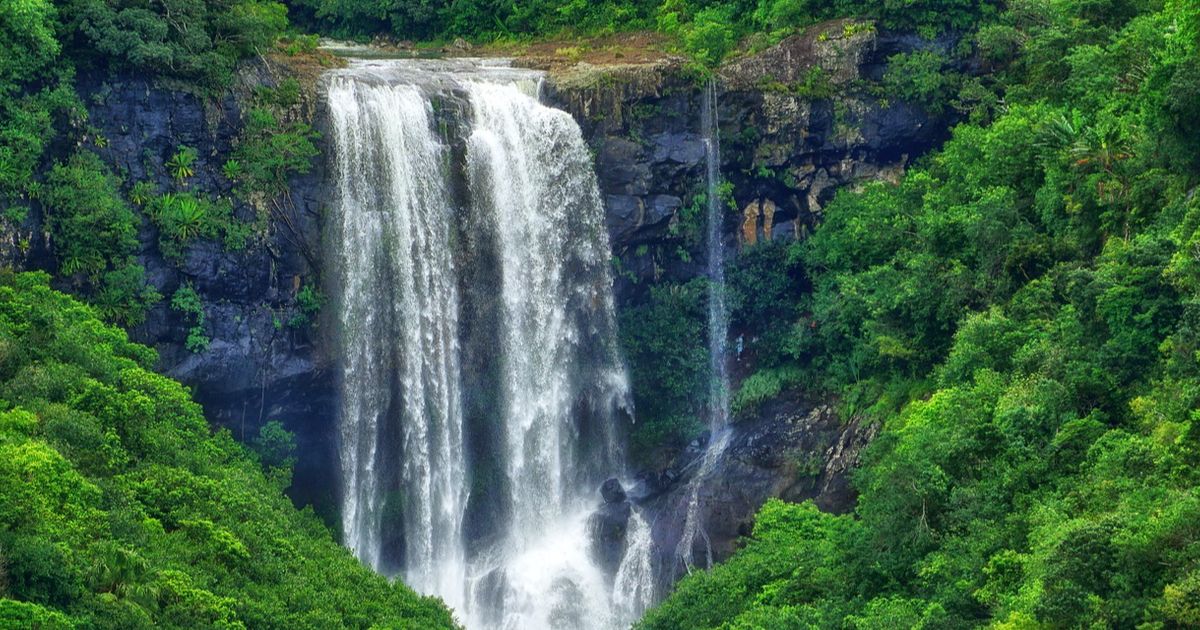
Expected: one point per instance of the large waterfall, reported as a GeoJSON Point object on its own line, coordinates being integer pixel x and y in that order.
{"type": "Point", "coordinates": [481, 385]}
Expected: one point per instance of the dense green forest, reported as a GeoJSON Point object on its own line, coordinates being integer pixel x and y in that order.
{"type": "Point", "coordinates": [1020, 313]}
{"type": "Point", "coordinates": [120, 509]}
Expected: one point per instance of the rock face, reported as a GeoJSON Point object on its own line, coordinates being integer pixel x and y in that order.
{"type": "Point", "coordinates": [257, 367]}
{"type": "Point", "coordinates": [790, 450]}
{"type": "Point", "coordinates": [796, 121]}
{"type": "Point", "coordinates": [609, 524]}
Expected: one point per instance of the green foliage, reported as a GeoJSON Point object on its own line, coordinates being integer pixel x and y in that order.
{"type": "Point", "coordinates": [774, 16]}
{"type": "Point", "coordinates": [34, 91]}
{"type": "Point", "coordinates": [1028, 299]}
{"type": "Point", "coordinates": [120, 509]}
{"type": "Point", "coordinates": [764, 385]}
{"type": "Point", "coordinates": [182, 165]}
{"type": "Point", "coordinates": [309, 302]}
{"type": "Point", "coordinates": [187, 302]}
{"type": "Point", "coordinates": [92, 228]}
{"type": "Point", "coordinates": [232, 170]}
{"type": "Point", "coordinates": [920, 77]}
{"type": "Point", "coordinates": [185, 217]}
{"type": "Point", "coordinates": [707, 36]}
{"type": "Point", "coordinates": [275, 445]}
{"type": "Point", "coordinates": [765, 285]}
{"type": "Point", "coordinates": [793, 553]}
{"type": "Point", "coordinates": [815, 85]}
{"type": "Point", "coordinates": [274, 143]}
{"type": "Point", "coordinates": [475, 19]}
{"type": "Point", "coordinates": [707, 30]}
{"type": "Point", "coordinates": [667, 357]}
{"type": "Point", "coordinates": [94, 234]}
{"type": "Point", "coordinates": [194, 40]}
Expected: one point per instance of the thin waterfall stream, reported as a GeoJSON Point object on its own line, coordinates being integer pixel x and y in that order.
{"type": "Point", "coordinates": [481, 384]}
{"type": "Point", "coordinates": [718, 331]}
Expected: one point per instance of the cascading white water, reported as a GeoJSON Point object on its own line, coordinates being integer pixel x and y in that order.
{"type": "Point", "coordinates": [528, 186]}
{"type": "Point", "coordinates": [399, 331]}
{"type": "Point", "coordinates": [530, 170]}
{"type": "Point", "coordinates": [559, 382]}
{"type": "Point", "coordinates": [633, 588]}
{"type": "Point", "coordinates": [718, 332]}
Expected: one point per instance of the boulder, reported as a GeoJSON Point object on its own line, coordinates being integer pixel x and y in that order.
{"type": "Point", "coordinates": [607, 527]}
{"type": "Point", "coordinates": [612, 491]}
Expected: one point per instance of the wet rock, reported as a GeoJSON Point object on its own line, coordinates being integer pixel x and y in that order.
{"type": "Point", "coordinates": [607, 527]}
{"type": "Point", "coordinates": [661, 209]}
{"type": "Point", "coordinates": [791, 450]}
{"type": "Point", "coordinates": [780, 145]}
{"type": "Point", "coordinates": [620, 169]}
{"type": "Point", "coordinates": [256, 367]}
{"type": "Point", "coordinates": [685, 148]}
{"type": "Point", "coordinates": [623, 215]}
{"type": "Point", "coordinates": [612, 491]}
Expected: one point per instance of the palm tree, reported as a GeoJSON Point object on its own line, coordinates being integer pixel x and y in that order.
{"type": "Point", "coordinates": [124, 575]}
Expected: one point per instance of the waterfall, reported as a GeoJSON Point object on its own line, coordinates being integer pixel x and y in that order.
{"type": "Point", "coordinates": [718, 332]}
{"type": "Point", "coordinates": [470, 231]}
{"type": "Point", "coordinates": [633, 590]}
{"type": "Point", "coordinates": [398, 308]}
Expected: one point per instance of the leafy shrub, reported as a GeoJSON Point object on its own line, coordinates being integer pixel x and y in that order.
{"type": "Point", "coordinates": [274, 143]}
{"type": "Point", "coordinates": [34, 91]}
{"type": "Point", "coordinates": [309, 302]}
{"type": "Point", "coordinates": [182, 165]}
{"type": "Point", "coordinates": [184, 217]}
{"type": "Point", "coordinates": [762, 386]}
{"type": "Point", "coordinates": [94, 235]}
{"type": "Point", "coordinates": [275, 445]}
{"type": "Point", "coordinates": [710, 35]}
{"type": "Point", "coordinates": [91, 227]}
{"type": "Point", "coordinates": [780, 15]}
{"type": "Point", "coordinates": [193, 40]}
{"type": "Point", "coordinates": [920, 77]}
{"type": "Point", "coordinates": [815, 85]}
{"type": "Point", "coordinates": [187, 302]}
{"type": "Point", "coordinates": [664, 342]}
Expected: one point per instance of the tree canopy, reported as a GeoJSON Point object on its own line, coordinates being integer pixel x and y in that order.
{"type": "Point", "coordinates": [119, 508]}
{"type": "Point", "coordinates": [1020, 314]}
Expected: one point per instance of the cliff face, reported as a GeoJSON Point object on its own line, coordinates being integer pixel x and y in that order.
{"type": "Point", "coordinates": [256, 367]}
{"type": "Point", "coordinates": [796, 123]}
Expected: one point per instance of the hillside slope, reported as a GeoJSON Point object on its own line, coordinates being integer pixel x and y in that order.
{"type": "Point", "coordinates": [120, 509]}
{"type": "Point", "coordinates": [1021, 314]}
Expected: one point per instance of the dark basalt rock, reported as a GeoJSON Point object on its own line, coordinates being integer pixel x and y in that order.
{"type": "Point", "coordinates": [612, 491]}
{"type": "Point", "coordinates": [791, 450]}
{"type": "Point", "coordinates": [608, 526]}
{"type": "Point", "coordinates": [256, 367]}
{"type": "Point", "coordinates": [777, 145]}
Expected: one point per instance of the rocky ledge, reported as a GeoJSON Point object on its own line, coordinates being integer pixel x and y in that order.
{"type": "Point", "coordinates": [792, 450]}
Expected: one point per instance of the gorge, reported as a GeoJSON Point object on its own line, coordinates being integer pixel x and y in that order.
{"type": "Point", "coordinates": [405, 136]}
{"type": "Point", "coordinates": [558, 314]}
{"type": "Point", "coordinates": [478, 230]}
